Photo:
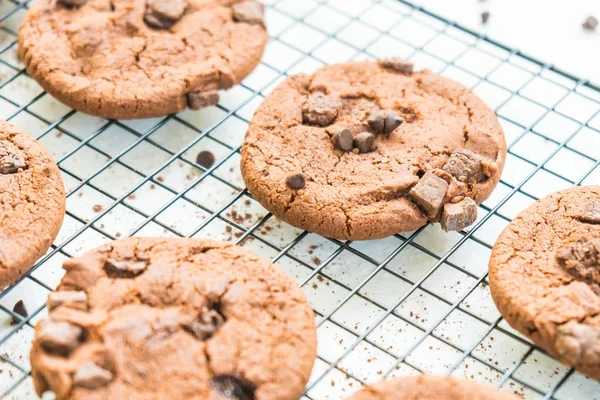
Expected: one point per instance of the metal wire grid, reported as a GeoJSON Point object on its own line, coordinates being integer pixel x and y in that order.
{"type": "Point", "coordinates": [552, 125]}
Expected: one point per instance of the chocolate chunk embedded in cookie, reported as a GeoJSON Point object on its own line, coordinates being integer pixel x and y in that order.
{"type": "Point", "coordinates": [141, 58]}
{"type": "Point", "coordinates": [545, 276]}
{"type": "Point", "coordinates": [33, 202]}
{"type": "Point", "coordinates": [428, 387]}
{"type": "Point", "coordinates": [201, 320]}
{"type": "Point", "coordinates": [404, 126]}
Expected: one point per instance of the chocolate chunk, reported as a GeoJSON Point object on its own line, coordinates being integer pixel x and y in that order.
{"type": "Point", "coordinates": [484, 17]}
{"type": "Point", "coordinates": [205, 159]}
{"type": "Point", "coordinates": [578, 344]}
{"type": "Point", "coordinates": [205, 325]}
{"type": "Point", "coordinates": [72, 3]}
{"type": "Point", "coordinates": [342, 139]}
{"type": "Point", "coordinates": [321, 109]}
{"type": "Point", "coordinates": [590, 24]}
{"type": "Point", "coordinates": [124, 269]}
{"type": "Point", "coordinates": [364, 142]}
{"type": "Point", "coordinates": [12, 159]}
{"type": "Point", "coordinates": [457, 216]}
{"type": "Point", "coordinates": [20, 309]}
{"type": "Point", "coordinates": [69, 298]}
{"type": "Point", "coordinates": [198, 100]}
{"type": "Point", "coordinates": [90, 376]}
{"type": "Point", "coordinates": [429, 193]}
{"type": "Point", "coordinates": [398, 65]}
{"type": "Point", "coordinates": [233, 388]}
{"type": "Point", "coordinates": [163, 14]}
{"type": "Point", "coordinates": [581, 259]}
{"type": "Point", "coordinates": [465, 166]}
{"type": "Point", "coordinates": [296, 181]}
{"type": "Point", "coordinates": [59, 337]}
{"type": "Point", "coordinates": [590, 212]}
{"type": "Point", "coordinates": [251, 12]}
{"type": "Point", "coordinates": [385, 121]}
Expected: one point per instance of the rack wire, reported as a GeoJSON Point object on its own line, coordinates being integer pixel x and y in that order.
{"type": "Point", "coordinates": [417, 302]}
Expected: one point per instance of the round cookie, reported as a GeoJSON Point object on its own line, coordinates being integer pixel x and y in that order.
{"type": "Point", "coordinates": [545, 276]}
{"type": "Point", "coordinates": [32, 202]}
{"type": "Point", "coordinates": [127, 59]}
{"type": "Point", "coordinates": [146, 318]}
{"type": "Point", "coordinates": [364, 150]}
{"type": "Point", "coordinates": [429, 387]}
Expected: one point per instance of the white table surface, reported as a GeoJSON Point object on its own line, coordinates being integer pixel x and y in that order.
{"type": "Point", "coordinates": [549, 30]}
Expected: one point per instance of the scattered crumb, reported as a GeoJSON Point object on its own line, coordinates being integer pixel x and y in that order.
{"type": "Point", "coordinates": [160, 179]}
{"type": "Point", "coordinates": [484, 17]}
{"type": "Point", "coordinates": [131, 197]}
{"type": "Point", "coordinates": [118, 234]}
{"type": "Point", "coordinates": [97, 208]}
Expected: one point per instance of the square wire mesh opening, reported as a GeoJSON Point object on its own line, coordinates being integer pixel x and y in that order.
{"type": "Point", "coordinates": [414, 302]}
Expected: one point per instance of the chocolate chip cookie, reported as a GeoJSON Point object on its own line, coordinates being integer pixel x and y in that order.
{"type": "Point", "coordinates": [545, 276]}
{"type": "Point", "coordinates": [367, 149]}
{"type": "Point", "coordinates": [32, 202]}
{"type": "Point", "coordinates": [141, 58]}
{"type": "Point", "coordinates": [145, 318]}
{"type": "Point", "coordinates": [428, 387]}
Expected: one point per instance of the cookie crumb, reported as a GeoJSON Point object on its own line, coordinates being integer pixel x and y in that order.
{"type": "Point", "coordinates": [590, 24]}
{"type": "Point", "coordinates": [97, 208]}
{"type": "Point", "coordinates": [485, 16]}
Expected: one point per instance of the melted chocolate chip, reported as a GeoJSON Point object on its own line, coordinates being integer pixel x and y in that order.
{"type": "Point", "coordinates": [207, 323]}
{"type": "Point", "coordinates": [342, 139]}
{"type": "Point", "coordinates": [321, 109]}
{"type": "Point", "coordinates": [205, 159]}
{"type": "Point", "coordinates": [20, 309]}
{"type": "Point", "coordinates": [12, 159]}
{"type": "Point", "coordinates": [364, 142]}
{"type": "Point", "coordinates": [163, 14]}
{"type": "Point", "coordinates": [589, 212]}
{"type": "Point", "coordinates": [581, 259]}
{"type": "Point", "coordinates": [68, 298]}
{"type": "Point", "coordinates": [398, 65]}
{"type": "Point", "coordinates": [385, 121]}
{"type": "Point", "coordinates": [59, 337]}
{"type": "Point", "coordinates": [296, 181]}
{"type": "Point", "coordinates": [198, 100]}
{"type": "Point", "coordinates": [231, 387]}
{"type": "Point", "coordinates": [124, 268]}
{"type": "Point", "coordinates": [251, 12]}
{"type": "Point", "coordinates": [90, 376]}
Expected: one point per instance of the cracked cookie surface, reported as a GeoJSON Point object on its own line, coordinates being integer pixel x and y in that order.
{"type": "Point", "coordinates": [127, 59]}
{"type": "Point", "coordinates": [545, 276]}
{"type": "Point", "coordinates": [429, 387]}
{"type": "Point", "coordinates": [404, 124]}
{"type": "Point", "coordinates": [146, 318]}
{"type": "Point", "coordinates": [32, 202]}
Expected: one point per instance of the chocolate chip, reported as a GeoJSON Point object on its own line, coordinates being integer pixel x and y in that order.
{"type": "Point", "coordinates": [484, 17]}
{"type": "Point", "coordinates": [20, 309]}
{"type": "Point", "coordinates": [205, 159]}
{"type": "Point", "coordinates": [72, 3]}
{"type": "Point", "coordinates": [590, 212]}
{"type": "Point", "coordinates": [198, 100]}
{"type": "Point", "coordinates": [321, 109]}
{"type": "Point", "coordinates": [398, 65]}
{"type": "Point", "coordinates": [385, 121]}
{"type": "Point", "coordinates": [231, 387]}
{"type": "Point", "coordinates": [457, 216]}
{"type": "Point", "coordinates": [581, 259]}
{"type": "Point", "coordinates": [124, 269]}
{"type": "Point", "coordinates": [205, 325]}
{"type": "Point", "coordinates": [90, 376]}
{"type": "Point", "coordinates": [68, 298]}
{"type": "Point", "coordinates": [465, 166]}
{"type": "Point", "coordinates": [59, 337]}
{"type": "Point", "coordinates": [590, 24]}
{"type": "Point", "coordinates": [163, 14]}
{"type": "Point", "coordinates": [429, 193]}
{"type": "Point", "coordinates": [12, 159]}
{"type": "Point", "coordinates": [578, 344]}
{"type": "Point", "coordinates": [251, 12]}
{"type": "Point", "coordinates": [296, 181]}
{"type": "Point", "coordinates": [342, 139]}
{"type": "Point", "coordinates": [364, 142]}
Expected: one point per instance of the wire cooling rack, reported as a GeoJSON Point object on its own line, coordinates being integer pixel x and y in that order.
{"type": "Point", "coordinates": [414, 302]}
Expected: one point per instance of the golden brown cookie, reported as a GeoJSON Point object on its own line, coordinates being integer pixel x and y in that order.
{"type": "Point", "coordinates": [364, 150]}
{"type": "Point", "coordinates": [428, 387]}
{"type": "Point", "coordinates": [141, 58]}
{"type": "Point", "coordinates": [545, 276]}
{"type": "Point", "coordinates": [32, 202]}
{"type": "Point", "coordinates": [145, 318]}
